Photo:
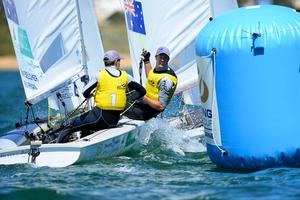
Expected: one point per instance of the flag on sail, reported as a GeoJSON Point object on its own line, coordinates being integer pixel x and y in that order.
{"type": "Point", "coordinates": [134, 15]}
{"type": "Point", "coordinates": [11, 12]}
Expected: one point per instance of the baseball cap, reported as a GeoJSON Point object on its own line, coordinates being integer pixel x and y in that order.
{"type": "Point", "coordinates": [112, 55]}
{"type": "Point", "coordinates": [162, 50]}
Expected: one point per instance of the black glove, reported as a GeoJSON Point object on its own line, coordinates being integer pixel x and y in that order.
{"type": "Point", "coordinates": [87, 93]}
{"type": "Point", "coordinates": [146, 56]}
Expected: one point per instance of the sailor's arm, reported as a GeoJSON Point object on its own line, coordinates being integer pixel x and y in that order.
{"type": "Point", "coordinates": [147, 68]}
{"type": "Point", "coordinates": [89, 88]}
{"type": "Point", "coordinates": [165, 86]}
{"type": "Point", "coordinates": [157, 105]}
{"type": "Point", "coordinates": [137, 87]}
{"type": "Point", "coordinates": [134, 86]}
{"type": "Point", "coordinates": [146, 60]}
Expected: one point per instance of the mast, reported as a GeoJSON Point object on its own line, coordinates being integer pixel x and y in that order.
{"type": "Point", "coordinates": [85, 78]}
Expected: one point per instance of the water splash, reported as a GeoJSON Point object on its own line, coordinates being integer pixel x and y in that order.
{"type": "Point", "coordinates": [158, 134]}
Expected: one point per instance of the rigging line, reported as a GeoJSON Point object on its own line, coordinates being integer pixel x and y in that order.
{"type": "Point", "coordinates": [62, 123]}
{"type": "Point", "coordinates": [27, 114]}
{"type": "Point", "coordinates": [213, 53]}
{"type": "Point", "coordinates": [73, 112]}
{"type": "Point", "coordinates": [130, 92]}
{"type": "Point", "coordinates": [67, 113]}
{"type": "Point", "coordinates": [35, 119]}
{"type": "Point", "coordinates": [49, 115]}
{"type": "Point", "coordinates": [59, 97]}
{"type": "Point", "coordinates": [131, 104]}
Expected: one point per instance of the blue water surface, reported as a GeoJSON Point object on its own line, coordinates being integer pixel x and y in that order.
{"type": "Point", "coordinates": [159, 170]}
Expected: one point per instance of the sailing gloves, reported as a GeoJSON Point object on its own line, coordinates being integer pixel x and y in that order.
{"type": "Point", "coordinates": [146, 56]}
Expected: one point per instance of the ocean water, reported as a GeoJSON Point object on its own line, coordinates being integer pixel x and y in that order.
{"type": "Point", "coordinates": [160, 169]}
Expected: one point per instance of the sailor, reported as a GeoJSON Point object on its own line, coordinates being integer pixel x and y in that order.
{"type": "Point", "coordinates": [110, 98]}
{"type": "Point", "coordinates": [160, 86]}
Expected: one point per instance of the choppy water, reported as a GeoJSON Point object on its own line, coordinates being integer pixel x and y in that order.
{"type": "Point", "coordinates": [159, 170]}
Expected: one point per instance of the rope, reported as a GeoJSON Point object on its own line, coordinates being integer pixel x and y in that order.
{"type": "Point", "coordinates": [49, 115]}
{"type": "Point", "coordinates": [62, 125]}
{"type": "Point", "coordinates": [131, 104]}
{"type": "Point", "coordinates": [70, 114]}
{"type": "Point", "coordinates": [213, 54]}
{"type": "Point", "coordinates": [34, 119]}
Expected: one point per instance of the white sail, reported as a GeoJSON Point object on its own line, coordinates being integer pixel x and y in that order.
{"type": "Point", "coordinates": [92, 38]}
{"type": "Point", "coordinates": [71, 94]}
{"type": "Point", "coordinates": [175, 24]}
{"type": "Point", "coordinates": [57, 32]}
{"type": "Point", "coordinates": [49, 45]}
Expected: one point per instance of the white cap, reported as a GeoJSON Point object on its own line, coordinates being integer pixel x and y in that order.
{"type": "Point", "coordinates": [112, 55]}
{"type": "Point", "coordinates": [162, 50]}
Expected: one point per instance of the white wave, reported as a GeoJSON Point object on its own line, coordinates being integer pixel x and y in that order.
{"type": "Point", "coordinates": [177, 140]}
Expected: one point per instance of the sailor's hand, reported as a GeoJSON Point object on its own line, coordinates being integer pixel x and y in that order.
{"type": "Point", "coordinates": [145, 56]}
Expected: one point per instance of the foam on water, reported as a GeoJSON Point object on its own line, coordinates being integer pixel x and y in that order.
{"type": "Point", "coordinates": [170, 139]}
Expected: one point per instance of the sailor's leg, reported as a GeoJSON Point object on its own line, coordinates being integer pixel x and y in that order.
{"type": "Point", "coordinates": [110, 118]}
{"type": "Point", "coordinates": [107, 119]}
{"type": "Point", "coordinates": [83, 123]}
{"type": "Point", "coordinates": [86, 120]}
{"type": "Point", "coordinates": [141, 111]}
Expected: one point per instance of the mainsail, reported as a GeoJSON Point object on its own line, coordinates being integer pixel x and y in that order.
{"type": "Point", "coordinates": [70, 96]}
{"type": "Point", "coordinates": [171, 23]}
{"type": "Point", "coordinates": [56, 42]}
{"type": "Point", "coordinates": [175, 24]}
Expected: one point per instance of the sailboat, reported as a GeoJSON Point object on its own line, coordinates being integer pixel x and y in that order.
{"type": "Point", "coordinates": [59, 49]}
{"type": "Point", "coordinates": [174, 24]}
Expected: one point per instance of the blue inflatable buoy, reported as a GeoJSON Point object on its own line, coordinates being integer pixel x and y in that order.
{"type": "Point", "coordinates": [249, 69]}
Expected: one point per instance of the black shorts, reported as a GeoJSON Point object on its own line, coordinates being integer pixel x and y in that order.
{"type": "Point", "coordinates": [96, 119]}
{"type": "Point", "coordinates": [141, 111]}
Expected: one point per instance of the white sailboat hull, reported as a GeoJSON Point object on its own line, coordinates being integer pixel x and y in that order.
{"type": "Point", "coordinates": [101, 144]}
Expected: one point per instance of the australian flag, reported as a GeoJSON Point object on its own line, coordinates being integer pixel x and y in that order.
{"type": "Point", "coordinates": [11, 11]}
{"type": "Point", "coordinates": [134, 15]}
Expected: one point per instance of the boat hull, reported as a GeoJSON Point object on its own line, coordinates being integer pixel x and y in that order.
{"type": "Point", "coordinates": [101, 144]}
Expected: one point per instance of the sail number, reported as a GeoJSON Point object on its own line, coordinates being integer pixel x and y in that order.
{"type": "Point", "coordinates": [113, 99]}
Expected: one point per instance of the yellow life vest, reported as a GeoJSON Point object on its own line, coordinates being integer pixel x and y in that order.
{"type": "Point", "coordinates": [111, 91]}
{"type": "Point", "coordinates": [152, 84]}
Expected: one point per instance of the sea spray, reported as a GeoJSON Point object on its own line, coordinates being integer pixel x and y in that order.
{"type": "Point", "coordinates": [157, 133]}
